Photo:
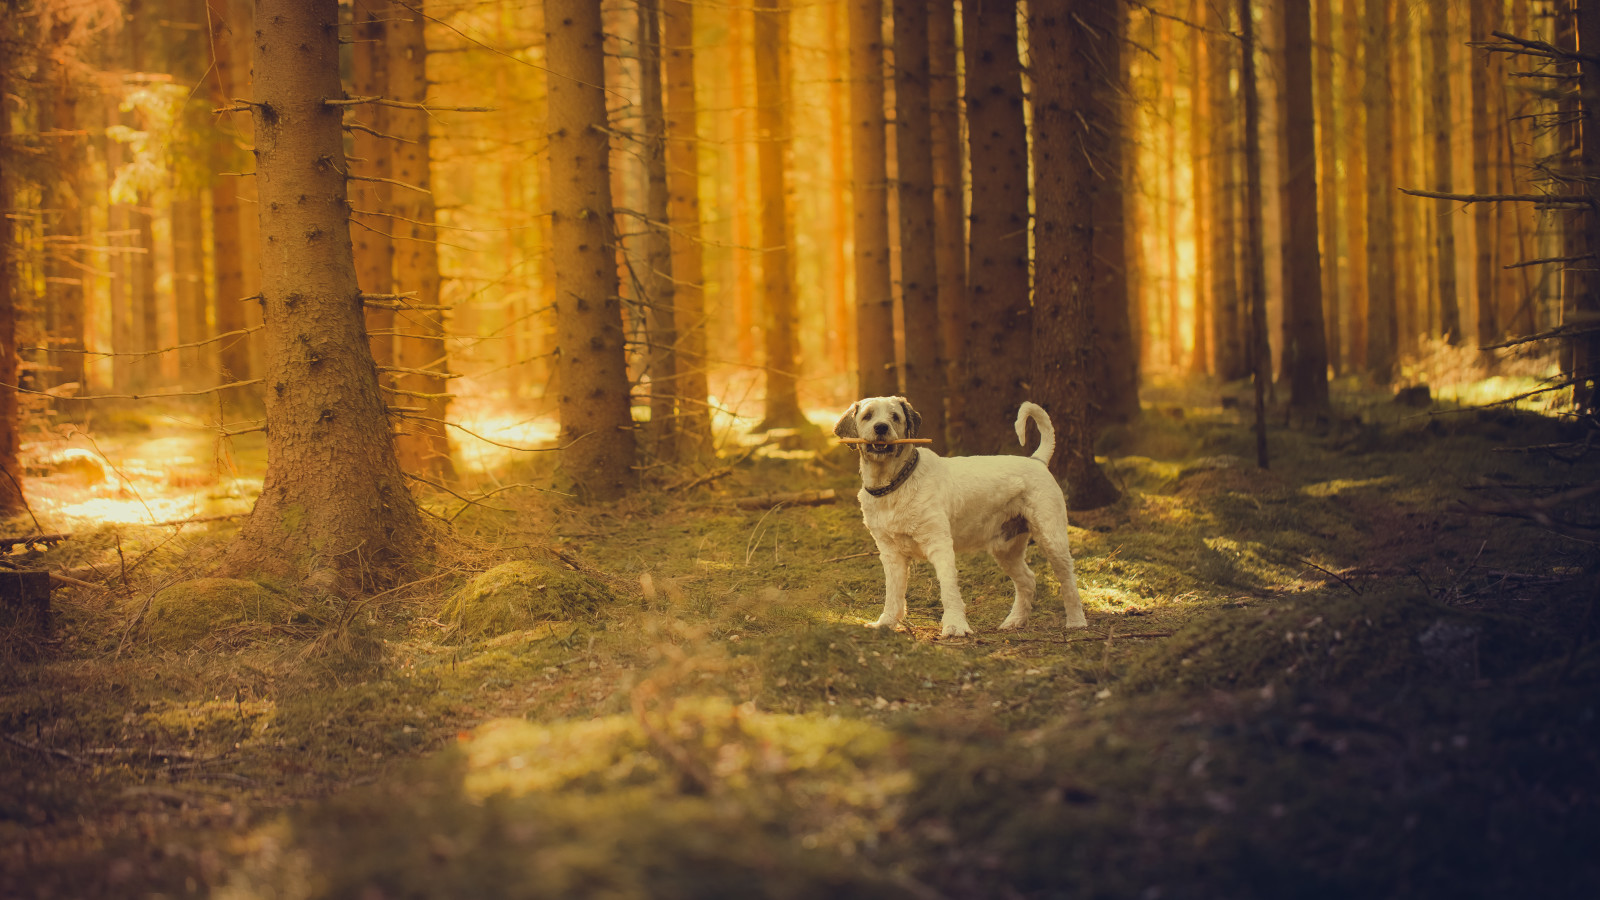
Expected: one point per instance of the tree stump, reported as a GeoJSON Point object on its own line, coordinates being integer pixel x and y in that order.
{"type": "Point", "coordinates": [24, 604]}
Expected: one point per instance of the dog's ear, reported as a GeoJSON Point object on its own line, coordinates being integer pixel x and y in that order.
{"type": "Point", "coordinates": [913, 419]}
{"type": "Point", "coordinates": [846, 426]}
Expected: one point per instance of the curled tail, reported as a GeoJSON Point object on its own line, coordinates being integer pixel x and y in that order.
{"type": "Point", "coordinates": [1047, 432]}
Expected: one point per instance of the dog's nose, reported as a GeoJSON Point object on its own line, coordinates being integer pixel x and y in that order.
{"type": "Point", "coordinates": [881, 428]}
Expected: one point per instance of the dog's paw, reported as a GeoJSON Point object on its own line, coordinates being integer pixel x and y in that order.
{"type": "Point", "coordinates": [1013, 622]}
{"type": "Point", "coordinates": [1074, 620]}
{"type": "Point", "coordinates": [885, 622]}
{"type": "Point", "coordinates": [955, 629]}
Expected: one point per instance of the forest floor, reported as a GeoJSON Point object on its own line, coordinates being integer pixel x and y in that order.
{"type": "Point", "coordinates": [1330, 678]}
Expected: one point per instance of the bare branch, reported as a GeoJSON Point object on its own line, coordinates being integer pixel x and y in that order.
{"type": "Point", "coordinates": [213, 390]}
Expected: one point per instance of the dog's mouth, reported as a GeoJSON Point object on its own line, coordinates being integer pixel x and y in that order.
{"type": "Point", "coordinates": [882, 448]}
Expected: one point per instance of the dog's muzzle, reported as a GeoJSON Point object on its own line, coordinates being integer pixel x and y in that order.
{"type": "Point", "coordinates": [883, 447]}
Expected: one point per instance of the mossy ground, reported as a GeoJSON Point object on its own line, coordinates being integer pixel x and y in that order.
{"type": "Point", "coordinates": [1330, 678]}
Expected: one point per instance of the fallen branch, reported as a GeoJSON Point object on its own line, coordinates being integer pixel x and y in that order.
{"type": "Point", "coordinates": [799, 498]}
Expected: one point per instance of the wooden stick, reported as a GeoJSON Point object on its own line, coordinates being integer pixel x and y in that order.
{"type": "Point", "coordinates": [899, 441]}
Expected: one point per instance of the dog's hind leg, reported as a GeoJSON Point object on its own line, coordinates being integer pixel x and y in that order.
{"type": "Point", "coordinates": [896, 569]}
{"type": "Point", "coordinates": [954, 623]}
{"type": "Point", "coordinates": [1054, 545]}
{"type": "Point", "coordinates": [1013, 558]}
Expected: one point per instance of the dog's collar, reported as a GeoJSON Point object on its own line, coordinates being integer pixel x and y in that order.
{"type": "Point", "coordinates": [900, 478]}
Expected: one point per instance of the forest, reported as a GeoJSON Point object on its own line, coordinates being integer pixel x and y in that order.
{"type": "Point", "coordinates": [420, 430]}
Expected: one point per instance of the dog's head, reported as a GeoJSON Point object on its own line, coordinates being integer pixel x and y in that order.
{"type": "Point", "coordinates": [880, 420]}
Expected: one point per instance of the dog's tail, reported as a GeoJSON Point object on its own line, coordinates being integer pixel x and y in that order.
{"type": "Point", "coordinates": [1047, 432]}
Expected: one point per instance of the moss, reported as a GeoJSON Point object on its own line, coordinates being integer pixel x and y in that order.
{"type": "Point", "coordinates": [827, 661]}
{"type": "Point", "coordinates": [519, 595]}
{"type": "Point", "coordinates": [217, 610]}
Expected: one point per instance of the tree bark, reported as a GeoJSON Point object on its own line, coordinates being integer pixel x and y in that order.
{"type": "Point", "coordinates": [1255, 299]}
{"type": "Point", "coordinates": [949, 199]}
{"type": "Point", "coordinates": [771, 30]}
{"type": "Point", "coordinates": [228, 163]}
{"type": "Point", "coordinates": [919, 271]}
{"type": "Point", "coordinates": [841, 268]}
{"type": "Point", "coordinates": [869, 180]}
{"type": "Point", "coordinates": [1302, 302]}
{"type": "Point", "coordinates": [683, 212]}
{"type": "Point", "coordinates": [1202, 361]}
{"type": "Point", "coordinates": [1438, 67]}
{"type": "Point", "coordinates": [371, 200]}
{"type": "Point", "coordinates": [596, 424]}
{"type": "Point", "coordinates": [1353, 338]}
{"type": "Point", "coordinates": [1381, 324]}
{"type": "Point", "coordinates": [334, 506]}
{"type": "Point", "coordinates": [1062, 47]}
{"type": "Point", "coordinates": [64, 218]}
{"type": "Point", "coordinates": [1586, 292]}
{"type": "Point", "coordinates": [657, 285]}
{"type": "Point", "coordinates": [423, 444]}
{"type": "Point", "coordinates": [1117, 381]}
{"type": "Point", "coordinates": [997, 347]}
{"type": "Point", "coordinates": [1482, 177]}
{"type": "Point", "coordinates": [1228, 324]}
{"type": "Point", "coordinates": [1328, 131]}
{"type": "Point", "coordinates": [11, 498]}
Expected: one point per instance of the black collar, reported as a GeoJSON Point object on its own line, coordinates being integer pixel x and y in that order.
{"type": "Point", "coordinates": [899, 479]}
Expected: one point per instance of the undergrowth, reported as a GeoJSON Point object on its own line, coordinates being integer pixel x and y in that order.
{"type": "Point", "coordinates": [1328, 678]}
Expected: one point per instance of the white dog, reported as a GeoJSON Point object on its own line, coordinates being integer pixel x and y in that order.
{"type": "Point", "coordinates": [920, 505]}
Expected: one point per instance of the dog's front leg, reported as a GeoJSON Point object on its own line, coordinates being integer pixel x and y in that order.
{"type": "Point", "coordinates": [954, 623]}
{"type": "Point", "coordinates": [896, 569]}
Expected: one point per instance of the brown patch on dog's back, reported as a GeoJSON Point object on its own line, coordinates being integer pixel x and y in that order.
{"type": "Point", "coordinates": [1012, 527]}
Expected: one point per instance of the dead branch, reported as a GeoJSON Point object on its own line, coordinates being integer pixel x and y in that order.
{"type": "Point", "coordinates": [401, 104]}
{"type": "Point", "coordinates": [1560, 331]}
{"type": "Point", "coordinates": [420, 395]}
{"type": "Point", "coordinates": [142, 353]}
{"type": "Point", "coordinates": [220, 387]}
{"type": "Point", "coordinates": [424, 372]}
{"type": "Point", "coordinates": [357, 126]}
{"type": "Point", "coordinates": [799, 498]}
{"type": "Point", "coordinates": [1548, 259]}
{"type": "Point", "coordinates": [1548, 199]}
{"type": "Point", "coordinates": [409, 187]}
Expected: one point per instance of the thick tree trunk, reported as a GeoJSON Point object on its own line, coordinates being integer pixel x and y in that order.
{"type": "Point", "coordinates": [841, 268]}
{"type": "Point", "coordinates": [596, 425]}
{"type": "Point", "coordinates": [370, 200]}
{"type": "Point", "coordinates": [228, 161]}
{"type": "Point", "coordinates": [997, 347]}
{"type": "Point", "coordinates": [423, 444]}
{"type": "Point", "coordinates": [1482, 178]}
{"type": "Point", "coordinates": [1203, 186]}
{"type": "Point", "coordinates": [919, 272]}
{"type": "Point", "coordinates": [1116, 384]}
{"type": "Point", "coordinates": [1255, 274]}
{"type": "Point", "coordinates": [1064, 236]}
{"type": "Point", "coordinates": [1328, 119]}
{"type": "Point", "coordinates": [1302, 303]}
{"type": "Point", "coordinates": [1227, 316]}
{"type": "Point", "coordinates": [1381, 323]}
{"type": "Point", "coordinates": [683, 212]}
{"type": "Point", "coordinates": [334, 505]}
{"type": "Point", "coordinates": [869, 180]}
{"type": "Point", "coordinates": [1353, 338]}
{"type": "Point", "coordinates": [949, 198]}
{"type": "Point", "coordinates": [777, 259]}
{"type": "Point", "coordinates": [659, 300]}
{"type": "Point", "coordinates": [1438, 68]}
{"type": "Point", "coordinates": [11, 499]}
{"type": "Point", "coordinates": [64, 218]}
{"type": "Point", "coordinates": [1586, 292]}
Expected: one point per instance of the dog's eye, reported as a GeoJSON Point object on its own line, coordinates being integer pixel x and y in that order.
{"type": "Point", "coordinates": [895, 416]}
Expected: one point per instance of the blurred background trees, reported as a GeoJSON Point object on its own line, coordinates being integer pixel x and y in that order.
{"type": "Point", "coordinates": [806, 203]}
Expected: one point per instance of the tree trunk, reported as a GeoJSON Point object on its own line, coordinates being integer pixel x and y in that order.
{"type": "Point", "coordinates": [1116, 384]}
{"type": "Point", "coordinates": [189, 284]}
{"type": "Point", "coordinates": [1227, 318]}
{"type": "Point", "coordinates": [11, 499]}
{"type": "Point", "coordinates": [64, 217]}
{"type": "Point", "coordinates": [1302, 302]}
{"type": "Point", "coordinates": [228, 163]}
{"type": "Point", "coordinates": [771, 31]}
{"type": "Point", "coordinates": [1203, 185]}
{"type": "Point", "coordinates": [1258, 353]}
{"type": "Point", "coordinates": [1353, 339]}
{"type": "Point", "coordinates": [1381, 324]}
{"type": "Point", "coordinates": [596, 427]}
{"type": "Point", "coordinates": [919, 271]}
{"type": "Point", "coordinates": [334, 505]}
{"type": "Point", "coordinates": [657, 287]}
{"type": "Point", "coordinates": [1483, 179]}
{"type": "Point", "coordinates": [683, 212]}
{"type": "Point", "coordinates": [1328, 131]}
{"type": "Point", "coordinates": [1438, 67]}
{"type": "Point", "coordinates": [371, 200]}
{"type": "Point", "coordinates": [949, 199]}
{"type": "Point", "coordinates": [841, 271]}
{"type": "Point", "coordinates": [424, 444]}
{"type": "Point", "coordinates": [744, 194]}
{"type": "Point", "coordinates": [869, 188]}
{"type": "Point", "coordinates": [997, 347]}
{"type": "Point", "coordinates": [1586, 291]}
{"type": "Point", "coordinates": [1064, 235]}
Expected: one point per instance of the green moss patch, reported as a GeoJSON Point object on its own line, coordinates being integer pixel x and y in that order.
{"type": "Point", "coordinates": [218, 610]}
{"type": "Point", "coordinates": [523, 594]}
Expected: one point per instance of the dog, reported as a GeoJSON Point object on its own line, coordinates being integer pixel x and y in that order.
{"type": "Point", "coordinates": [920, 505]}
